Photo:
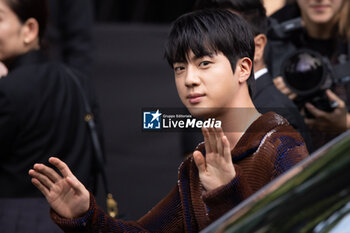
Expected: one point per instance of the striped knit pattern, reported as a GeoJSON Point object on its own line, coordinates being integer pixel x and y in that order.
{"type": "Point", "coordinates": [269, 147]}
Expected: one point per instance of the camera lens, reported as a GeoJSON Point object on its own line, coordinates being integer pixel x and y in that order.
{"type": "Point", "coordinates": [304, 71]}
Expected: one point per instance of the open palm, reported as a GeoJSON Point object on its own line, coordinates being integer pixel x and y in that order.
{"type": "Point", "coordinates": [216, 168]}
{"type": "Point", "coordinates": [66, 195]}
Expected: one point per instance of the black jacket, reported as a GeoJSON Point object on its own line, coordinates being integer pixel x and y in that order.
{"type": "Point", "coordinates": [41, 115]}
{"type": "Point", "coordinates": [267, 98]}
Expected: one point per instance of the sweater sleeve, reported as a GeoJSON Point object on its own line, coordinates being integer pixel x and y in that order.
{"type": "Point", "coordinates": [280, 152]}
{"type": "Point", "coordinates": [226, 197]}
{"type": "Point", "coordinates": [290, 150]}
{"type": "Point", "coordinates": [166, 216]}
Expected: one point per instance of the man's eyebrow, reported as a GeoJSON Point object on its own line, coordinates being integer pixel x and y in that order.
{"type": "Point", "coordinates": [194, 57]}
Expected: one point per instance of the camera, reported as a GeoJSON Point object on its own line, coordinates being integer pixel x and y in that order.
{"type": "Point", "coordinates": [305, 72]}
{"type": "Point", "coordinates": [308, 74]}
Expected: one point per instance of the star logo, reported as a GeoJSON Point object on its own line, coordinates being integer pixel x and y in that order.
{"type": "Point", "coordinates": [156, 115]}
{"type": "Point", "coordinates": [151, 120]}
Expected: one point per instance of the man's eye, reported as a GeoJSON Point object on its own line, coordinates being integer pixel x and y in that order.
{"type": "Point", "coordinates": [204, 63]}
{"type": "Point", "coordinates": [178, 68]}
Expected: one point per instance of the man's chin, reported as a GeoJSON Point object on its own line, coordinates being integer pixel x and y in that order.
{"type": "Point", "coordinates": [201, 112]}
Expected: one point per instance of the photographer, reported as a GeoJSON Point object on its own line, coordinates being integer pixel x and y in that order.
{"type": "Point", "coordinates": [322, 29]}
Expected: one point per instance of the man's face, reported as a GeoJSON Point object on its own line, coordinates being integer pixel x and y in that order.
{"type": "Point", "coordinates": [205, 84]}
{"type": "Point", "coordinates": [320, 11]}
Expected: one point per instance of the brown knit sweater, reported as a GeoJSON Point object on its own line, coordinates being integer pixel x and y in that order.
{"type": "Point", "coordinates": [268, 148]}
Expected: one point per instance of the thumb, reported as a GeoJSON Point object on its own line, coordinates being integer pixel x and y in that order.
{"type": "Point", "coordinates": [199, 161]}
{"type": "Point", "coordinates": [75, 184]}
{"type": "Point", "coordinates": [333, 97]}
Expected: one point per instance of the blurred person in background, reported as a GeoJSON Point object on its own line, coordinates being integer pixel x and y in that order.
{"type": "Point", "coordinates": [272, 6]}
{"type": "Point", "coordinates": [324, 29]}
{"type": "Point", "coordinates": [41, 114]}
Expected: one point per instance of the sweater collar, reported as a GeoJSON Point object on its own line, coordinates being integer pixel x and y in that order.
{"type": "Point", "coordinates": [254, 134]}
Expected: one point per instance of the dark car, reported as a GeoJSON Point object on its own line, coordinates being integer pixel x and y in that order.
{"type": "Point", "coordinates": [313, 196]}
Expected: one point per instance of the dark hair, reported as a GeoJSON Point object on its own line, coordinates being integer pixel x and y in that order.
{"type": "Point", "coordinates": [25, 9]}
{"type": "Point", "coordinates": [210, 31]}
{"type": "Point", "coordinates": [251, 10]}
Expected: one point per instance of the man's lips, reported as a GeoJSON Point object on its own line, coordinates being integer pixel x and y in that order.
{"type": "Point", "coordinates": [195, 98]}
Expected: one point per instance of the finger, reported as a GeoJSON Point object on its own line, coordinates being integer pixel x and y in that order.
{"type": "Point", "coordinates": [199, 161]}
{"type": "Point", "coordinates": [206, 140]}
{"type": "Point", "coordinates": [315, 111]}
{"type": "Point", "coordinates": [281, 86]}
{"type": "Point", "coordinates": [220, 144]}
{"type": "Point", "coordinates": [292, 95]}
{"type": "Point", "coordinates": [226, 150]}
{"type": "Point", "coordinates": [62, 167]}
{"type": "Point", "coordinates": [285, 90]}
{"type": "Point", "coordinates": [317, 125]}
{"type": "Point", "coordinates": [212, 140]}
{"type": "Point", "coordinates": [49, 172]}
{"type": "Point", "coordinates": [279, 83]}
{"type": "Point", "coordinates": [309, 122]}
{"type": "Point", "coordinates": [333, 97]}
{"type": "Point", "coordinates": [75, 184]}
{"type": "Point", "coordinates": [42, 178]}
{"type": "Point", "coordinates": [41, 187]}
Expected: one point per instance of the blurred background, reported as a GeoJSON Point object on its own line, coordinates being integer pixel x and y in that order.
{"type": "Point", "coordinates": [153, 11]}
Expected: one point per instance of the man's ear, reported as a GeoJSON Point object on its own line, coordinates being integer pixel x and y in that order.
{"type": "Point", "coordinates": [244, 68]}
{"type": "Point", "coordinates": [260, 42]}
{"type": "Point", "coordinates": [30, 32]}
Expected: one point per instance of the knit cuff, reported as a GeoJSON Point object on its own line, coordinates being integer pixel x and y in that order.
{"type": "Point", "coordinates": [226, 197]}
{"type": "Point", "coordinates": [72, 224]}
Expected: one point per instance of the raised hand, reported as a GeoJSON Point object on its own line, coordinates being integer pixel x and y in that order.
{"type": "Point", "coordinates": [66, 195]}
{"type": "Point", "coordinates": [336, 121]}
{"type": "Point", "coordinates": [216, 168]}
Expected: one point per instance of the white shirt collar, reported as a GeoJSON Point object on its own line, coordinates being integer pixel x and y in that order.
{"type": "Point", "coordinates": [260, 73]}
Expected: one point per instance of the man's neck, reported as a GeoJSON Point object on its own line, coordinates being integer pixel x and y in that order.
{"type": "Point", "coordinates": [258, 66]}
{"type": "Point", "coordinates": [235, 121]}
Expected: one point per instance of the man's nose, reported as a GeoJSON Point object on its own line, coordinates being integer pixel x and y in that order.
{"type": "Point", "coordinates": [192, 77]}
